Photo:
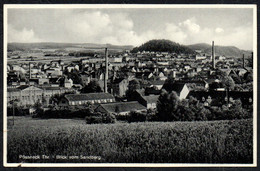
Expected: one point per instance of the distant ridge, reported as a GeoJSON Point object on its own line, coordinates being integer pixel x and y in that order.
{"type": "Point", "coordinates": [160, 45]}
{"type": "Point", "coordinates": [199, 46]}
{"type": "Point", "coordinates": [220, 50]}
{"type": "Point", "coordinates": [54, 45]}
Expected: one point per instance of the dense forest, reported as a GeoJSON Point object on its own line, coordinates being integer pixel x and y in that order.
{"type": "Point", "coordinates": [163, 45]}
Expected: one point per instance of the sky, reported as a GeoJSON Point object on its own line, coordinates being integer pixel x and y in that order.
{"type": "Point", "coordinates": [132, 26]}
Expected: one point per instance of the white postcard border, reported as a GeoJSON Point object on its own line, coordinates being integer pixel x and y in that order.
{"type": "Point", "coordinates": [86, 6]}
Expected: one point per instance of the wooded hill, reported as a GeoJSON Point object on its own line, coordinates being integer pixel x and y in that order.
{"type": "Point", "coordinates": [163, 45]}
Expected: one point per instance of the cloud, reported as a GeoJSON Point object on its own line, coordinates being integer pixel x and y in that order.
{"type": "Point", "coordinates": [190, 25]}
{"type": "Point", "coordinates": [25, 35]}
{"type": "Point", "coordinates": [175, 33]}
{"type": "Point", "coordinates": [97, 26]}
{"type": "Point", "coordinates": [241, 37]}
{"type": "Point", "coordinates": [219, 30]}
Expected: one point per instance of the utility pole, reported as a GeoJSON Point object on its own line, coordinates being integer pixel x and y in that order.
{"type": "Point", "coordinates": [106, 71]}
{"type": "Point", "coordinates": [13, 105]}
{"type": "Point", "coordinates": [13, 113]}
{"type": "Point", "coordinates": [213, 55]}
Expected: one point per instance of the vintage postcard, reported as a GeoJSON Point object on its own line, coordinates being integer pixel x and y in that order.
{"type": "Point", "coordinates": [130, 85]}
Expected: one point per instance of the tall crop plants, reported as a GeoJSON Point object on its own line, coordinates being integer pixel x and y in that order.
{"type": "Point", "coordinates": [154, 142]}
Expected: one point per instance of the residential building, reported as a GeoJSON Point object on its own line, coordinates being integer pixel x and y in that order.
{"type": "Point", "coordinates": [181, 89]}
{"type": "Point", "coordinates": [119, 86]}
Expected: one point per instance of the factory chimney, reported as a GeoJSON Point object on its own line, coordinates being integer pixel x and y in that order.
{"type": "Point", "coordinates": [243, 60]}
{"type": "Point", "coordinates": [30, 75]}
{"type": "Point", "coordinates": [213, 55]}
{"type": "Point", "coordinates": [106, 71]}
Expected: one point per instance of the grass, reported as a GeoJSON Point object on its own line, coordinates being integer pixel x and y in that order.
{"type": "Point", "coordinates": [149, 142]}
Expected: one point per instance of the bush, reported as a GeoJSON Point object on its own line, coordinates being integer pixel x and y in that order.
{"type": "Point", "coordinates": [18, 111]}
{"type": "Point", "coordinates": [235, 111]}
{"type": "Point", "coordinates": [121, 117]}
{"type": "Point", "coordinates": [136, 117]}
{"type": "Point", "coordinates": [170, 108]}
{"type": "Point", "coordinates": [108, 118]}
{"type": "Point", "coordinates": [66, 112]}
{"type": "Point", "coordinates": [93, 119]}
{"type": "Point", "coordinates": [100, 118]}
{"type": "Point", "coordinates": [151, 115]}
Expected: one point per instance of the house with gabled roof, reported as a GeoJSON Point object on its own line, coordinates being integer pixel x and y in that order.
{"type": "Point", "coordinates": [149, 101]}
{"type": "Point", "coordinates": [157, 84]}
{"type": "Point", "coordinates": [181, 89]}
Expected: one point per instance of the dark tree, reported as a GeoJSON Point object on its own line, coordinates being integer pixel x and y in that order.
{"type": "Point", "coordinates": [132, 86]}
{"type": "Point", "coordinates": [238, 112]}
{"type": "Point", "coordinates": [168, 85]}
{"type": "Point", "coordinates": [228, 84]}
{"type": "Point", "coordinates": [55, 99]}
{"type": "Point", "coordinates": [250, 62]}
{"type": "Point", "coordinates": [167, 105]}
{"type": "Point", "coordinates": [220, 74]}
{"type": "Point", "coordinates": [248, 77]}
{"type": "Point", "coordinates": [236, 78]}
{"type": "Point", "coordinates": [235, 111]}
{"type": "Point", "coordinates": [192, 110]}
{"type": "Point", "coordinates": [75, 76]}
{"type": "Point", "coordinates": [215, 85]}
{"type": "Point", "coordinates": [92, 87]}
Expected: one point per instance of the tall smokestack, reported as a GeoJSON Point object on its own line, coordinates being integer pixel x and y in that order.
{"type": "Point", "coordinates": [213, 55]}
{"type": "Point", "coordinates": [243, 60]}
{"type": "Point", "coordinates": [30, 75]}
{"type": "Point", "coordinates": [106, 71]}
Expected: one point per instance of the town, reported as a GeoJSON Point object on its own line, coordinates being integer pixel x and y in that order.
{"type": "Point", "coordinates": [130, 85]}
{"type": "Point", "coordinates": [125, 81]}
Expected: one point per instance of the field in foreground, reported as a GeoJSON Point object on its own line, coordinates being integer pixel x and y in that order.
{"type": "Point", "coordinates": [149, 142]}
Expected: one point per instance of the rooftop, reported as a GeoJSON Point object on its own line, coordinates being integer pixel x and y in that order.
{"type": "Point", "coordinates": [123, 107]}
{"type": "Point", "coordinates": [151, 98]}
{"type": "Point", "coordinates": [88, 96]}
{"type": "Point", "coordinates": [177, 87]}
{"type": "Point", "coordinates": [157, 82]}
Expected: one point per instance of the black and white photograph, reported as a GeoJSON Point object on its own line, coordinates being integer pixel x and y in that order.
{"type": "Point", "coordinates": [130, 85]}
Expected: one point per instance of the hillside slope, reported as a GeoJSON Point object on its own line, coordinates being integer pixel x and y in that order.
{"type": "Point", "coordinates": [163, 45]}
{"type": "Point", "coordinates": [220, 50]}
